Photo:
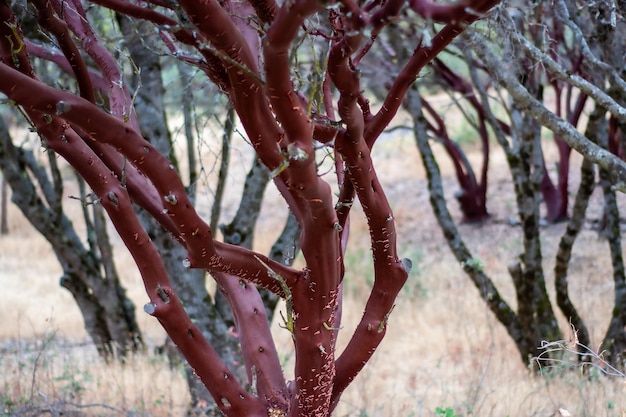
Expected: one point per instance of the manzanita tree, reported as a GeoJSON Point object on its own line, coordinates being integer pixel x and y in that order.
{"type": "Point", "coordinates": [251, 51]}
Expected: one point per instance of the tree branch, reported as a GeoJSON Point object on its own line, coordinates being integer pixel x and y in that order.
{"type": "Point", "coordinates": [422, 55]}
{"type": "Point", "coordinates": [556, 70]}
{"type": "Point", "coordinates": [526, 102]}
{"type": "Point", "coordinates": [59, 30]}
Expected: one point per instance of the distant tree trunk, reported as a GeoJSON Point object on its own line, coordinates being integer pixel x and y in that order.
{"type": "Point", "coordinates": [187, 101]}
{"type": "Point", "coordinates": [564, 253]}
{"type": "Point", "coordinates": [607, 43]}
{"type": "Point", "coordinates": [534, 307]}
{"type": "Point", "coordinates": [240, 232]}
{"type": "Point", "coordinates": [472, 196]}
{"type": "Point", "coordinates": [534, 320]}
{"type": "Point", "coordinates": [189, 284]}
{"type": "Point", "coordinates": [109, 316]}
{"type": "Point", "coordinates": [556, 196]}
{"type": "Point", "coordinates": [220, 187]}
{"type": "Point", "coordinates": [4, 206]}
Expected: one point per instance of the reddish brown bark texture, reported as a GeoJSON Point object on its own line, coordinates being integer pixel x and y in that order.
{"type": "Point", "coordinates": [282, 128]}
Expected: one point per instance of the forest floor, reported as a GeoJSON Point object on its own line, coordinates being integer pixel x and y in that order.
{"type": "Point", "coordinates": [444, 353]}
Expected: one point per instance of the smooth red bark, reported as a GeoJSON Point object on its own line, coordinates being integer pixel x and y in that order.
{"type": "Point", "coordinates": [276, 118]}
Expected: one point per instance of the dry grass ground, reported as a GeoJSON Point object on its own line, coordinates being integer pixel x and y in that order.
{"type": "Point", "coordinates": [443, 348]}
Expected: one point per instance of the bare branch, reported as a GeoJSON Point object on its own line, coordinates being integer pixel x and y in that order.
{"type": "Point", "coordinates": [548, 119]}
{"type": "Point", "coordinates": [555, 69]}
{"type": "Point", "coordinates": [568, 20]}
{"type": "Point", "coordinates": [59, 29]}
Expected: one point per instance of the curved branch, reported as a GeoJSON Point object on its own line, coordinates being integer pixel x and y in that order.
{"type": "Point", "coordinates": [60, 31]}
{"type": "Point", "coordinates": [560, 73]}
{"type": "Point", "coordinates": [248, 98]}
{"type": "Point", "coordinates": [564, 254]}
{"type": "Point", "coordinates": [120, 101]}
{"type": "Point", "coordinates": [105, 128]}
{"type": "Point", "coordinates": [167, 25]}
{"type": "Point", "coordinates": [527, 102]}
{"type": "Point", "coordinates": [287, 106]}
{"type": "Point", "coordinates": [257, 345]}
{"type": "Point", "coordinates": [569, 21]}
{"type": "Point", "coordinates": [55, 56]}
{"type": "Point", "coordinates": [488, 291]}
{"type": "Point", "coordinates": [265, 9]}
{"type": "Point", "coordinates": [390, 273]}
{"type": "Point", "coordinates": [145, 13]}
{"type": "Point", "coordinates": [164, 305]}
{"type": "Point", "coordinates": [422, 56]}
{"type": "Point", "coordinates": [440, 13]}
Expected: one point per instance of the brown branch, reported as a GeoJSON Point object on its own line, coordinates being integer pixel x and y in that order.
{"type": "Point", "coordinates": [58, 28]}
{"type": "Point", "coordinates": [55, 56]}
{"type": "Point", "coordinates": [265, 9]}
{"type": "Point", "coordinates": [145, 13]}
{"type": "Point", "coordinates": [120, 101]}
{"type": "Point", "coordinates": [164, 305]}
{"type": "Point", "coordinates": [389, 272]}
{"type": "Point", "coordinates": [315, 295]}
{"type": "Point", "coordinates": [114, 198]}
{"type": "Point", "coordinates": [287, 106]}
{"type": "Point", "coordinates": [167, 4]}
{"type": "Point", "coordinates": [248, 98]}
{"type": "Point", "coordinates": [257, 345]}
{"type": "Point", "coordinates": [217, 26]}
{"type": "Point", "coordinates": [169, 26]}
{"type": "Point", "coordinates": [385, 14]}
{"type": "Point", "coordinates": [462, 167]}
{"type": "Point", "coordinates": [13, 51]}
{"type": "Point", "coordinates": [422, 56]}
{"type": "Point", "coordinates": [315, 299]}
{"type": "Point", "coordinates": [526, 102]}
{"type": "Point", "coordinates": [208, 62]}
{"type": "Point", "coordinates": [441, 13]}
{"type": "Point", "coordinates": [143, 192]}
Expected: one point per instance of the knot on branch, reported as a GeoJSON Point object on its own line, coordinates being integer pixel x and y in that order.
{"type": "Point", "coordinates": [276, 412]}
{"type": "Point", "coordinates": [113, 198]}
{"type": "Point", "coordinates": [297, 154]}
{"type": "Point", "coordinates": [149, 308]}
{"type": "Point", "coordinates": [163, 294]}
{"type": "Point", "coordinates": [407, 264]}
{"type": "Point", "coordinates": [171, 198]}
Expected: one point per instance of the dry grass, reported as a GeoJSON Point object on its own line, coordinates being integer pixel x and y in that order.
{"type": "Point", "coordinates": [49, 376]}
{"type": "Point", "coordinates": [443, 348]}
